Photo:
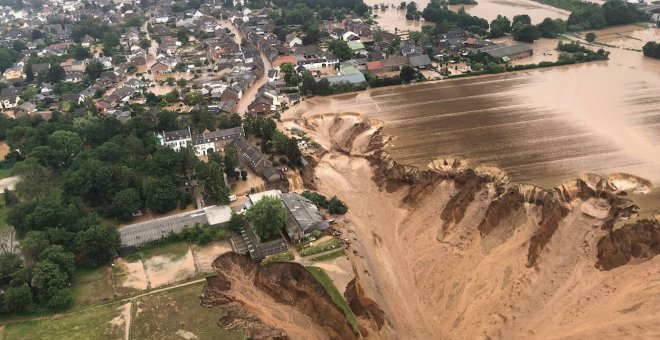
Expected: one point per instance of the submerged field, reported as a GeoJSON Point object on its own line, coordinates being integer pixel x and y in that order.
{"type": "Point", "coordinates": [540, 126]}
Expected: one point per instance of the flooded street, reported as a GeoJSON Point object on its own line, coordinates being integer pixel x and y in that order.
{"type": "Point", "coordinates": [541, 126]}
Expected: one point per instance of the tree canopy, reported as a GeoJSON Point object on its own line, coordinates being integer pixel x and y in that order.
{"type": "Point", "coordinates": [267, 216]}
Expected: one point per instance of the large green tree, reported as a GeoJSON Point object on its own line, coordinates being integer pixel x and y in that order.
{"type": "Point", "coordinates": [268, 217]}
{"type": "Point", "coordinates": [125, 203]}
{"type": "Point", "coordinates": [97, 245]}
{"type": "Point", "coordinates": [407, 73]}
{"type": "Point", "coordinates": [499, 26]}
{"type": "Point", "coordinates": [160, 194]}
{"type": "Point", "coordinates": [341, 49]}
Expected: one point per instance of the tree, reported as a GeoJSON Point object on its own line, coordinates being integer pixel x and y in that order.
{"type": "Point", "coordinates": [407, 73]}
{"type": "Point", "coordinates": [525, 32]}
{"type": "Point", "coordinates": [590, 37]}
{"type": "Point", "coordinates": [79, 52]}
{"type": "Point", "coordinates": [237, 222]}
{"type": "Point", "coordinates": [214, 184]}
{"type": "Point", "coordinates": [267, 217]}
{"type": "Point", "coordinates": [336, 206]}
{"type": "Point", "coordinates": [34, 243]}
{"type": "Point", "coordinates": [160, 194]}
{"type": "Point", "coordinates": [18, 299]}
{"type": "Point", "coordinates": [551, 28]}
{"type": "Point", "coordinates": [97, 245]}
{"type": "Point", "coordinates": [67, 145]}
{"type": "Point", "coordinates": [9, 264]}
{"type": "Point", "coordinates": [125, 204]}
{"type": "Point", "coordinates": [55, 74]}
{"type": "Point", "coordinates": [18, 46]}
{"type": "Point", "coordinates": [94, 69]}
{"type": "Point", "coordinates": [145, 43]}
{"type": "Point", "coordinates": [521, 19]}
{"type": "Point", "coordinates": [499, 26]}
{"type": "Point", "coordinates": [61, 257]}
{"type": "Point", "coordinates": [110, 41]}
{"type": "Point", "coordinates": [231, 162]}
{"type": "Point", "coordinates": [341, 49]}
{"type": "Point", "coordinates": [182, 35]}
{"type": "Point", "coordinates": [182, 82]}
{"type": "Point", "coordinates": [652, 49]}
{"type": "Point", "coordinates": [7, 58]}
{"type": "Point", "coordinates": [48, 279]}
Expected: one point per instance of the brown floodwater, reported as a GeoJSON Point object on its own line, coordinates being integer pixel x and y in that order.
{"type": "Point", "coordinates": [541, 126]}
{"type": "Point", "coordinates": [392, 18]}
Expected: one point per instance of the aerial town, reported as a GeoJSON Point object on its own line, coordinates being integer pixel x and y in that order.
{"type": "Point", "coordinates": [310, 169]}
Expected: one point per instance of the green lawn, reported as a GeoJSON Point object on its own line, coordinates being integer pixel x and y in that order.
{"type": "Point", "coordinates": [174, 251]}
{"type": "Point", "coordinates": [162, 315]}
{"type": "Point", "coordinates": [319, 248]}
{"type": "Point", "coordinates": [329, 256]}
{"type": "Point", "coordinates": [93, 285]}
{"type": "Point", "coordinates": [4, 173]}
{"type": "Point", "coordinates": [92, 324]}
{"type": "Point", "coordinates": [281, 257]}
{"type": "Point", "coordinates": [322, 277]}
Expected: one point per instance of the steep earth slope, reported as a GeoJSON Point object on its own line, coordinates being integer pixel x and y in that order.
{"type": "Point", "coordinates": [455, 252]}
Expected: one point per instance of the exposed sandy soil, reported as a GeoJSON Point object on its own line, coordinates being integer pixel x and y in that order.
{"type": "Point", "coordinates": [204, 256]}
{"type": "Point", "coordinates": [163, 269]}
{"type": "Point", "coordinates": [4, 149]}
{"type": "Point", "coordinates": [273, 301]}
{"type": "Point", "coordinates": [443, 278]}
{"type": "Point", "coordinates": [132, 275]}
{"type": "Point", "coordinates": [123, 320]}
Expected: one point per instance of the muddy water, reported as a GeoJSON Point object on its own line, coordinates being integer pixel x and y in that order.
{"type": "Point", "coordinates": [541, 126]}
{"type": "Point", "coordinates": [392, 18]}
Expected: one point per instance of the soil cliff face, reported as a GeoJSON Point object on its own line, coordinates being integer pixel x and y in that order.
{"type": "Point", "coordinates": [275, 301]}
{"type": "Point", "coordinates": [458, 252]}
{"type": "Point", "coordinates": [639, 240]}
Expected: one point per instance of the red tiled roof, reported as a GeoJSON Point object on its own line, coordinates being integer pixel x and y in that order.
{"type": "Point", "coordinates": [286, 59]}
{"type": "Point", "coordinates": [374, 65]}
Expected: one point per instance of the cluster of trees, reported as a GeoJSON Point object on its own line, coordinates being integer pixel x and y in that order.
{"type": "Point", "coordinates": [40, 283]}
{"type": "Point", "coordinates": [522, 29]}
{"type": "Point", "coordinates": [8, 57]}
{"type": "Point", "coordinates": [446, 19]}
{"type": "Point", "coordinates": [341, 49]}
{"type": "Point", "coordinates": [652, 49]}
{"type": "Point", "coordinates": [586, 15]}
{"type": "Point", "coordinates": [272, 140]}
{"type": "Point", "coordinates": [334, 205]}
{"type": "Point", "coordinates": [268, 217]}
{"type": "Point", "coordinates": [306, 16]}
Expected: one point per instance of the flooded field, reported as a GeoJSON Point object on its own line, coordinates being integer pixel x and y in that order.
{"type": "Point", "coordinates": [541, 126]}
{"type": "Point", "coordinates": [392, 18]}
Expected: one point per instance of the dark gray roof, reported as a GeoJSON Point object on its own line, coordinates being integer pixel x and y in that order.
{"type": "Point", "coordinates": [176, 135]}
{"type": "Point", "coordinates": [499, 51]}
{"type": "Point", "coordinates": [219, 135]}
{"type": "Point", "coordinates": [420, 60]}
{"type": "Point", "coordinates": [145, 232]}
{"type": "Point", "coordinates": [304, 212]}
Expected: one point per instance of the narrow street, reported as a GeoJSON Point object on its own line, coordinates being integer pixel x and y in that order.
{"type": "Point", "coordinates": [251, 93]}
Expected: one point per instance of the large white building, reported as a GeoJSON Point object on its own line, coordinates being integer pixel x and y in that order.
{"type": "Point", "coordinates": [203, 143]}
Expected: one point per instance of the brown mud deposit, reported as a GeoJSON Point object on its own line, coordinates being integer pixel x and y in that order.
{"type": "Point", "coordinates": [275, 301]}
{"type": "Point", "coordinates": [458, 252]}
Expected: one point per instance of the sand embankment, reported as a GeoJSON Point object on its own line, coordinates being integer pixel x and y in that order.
{"type": "Point", "coordinates": [452, 252]}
